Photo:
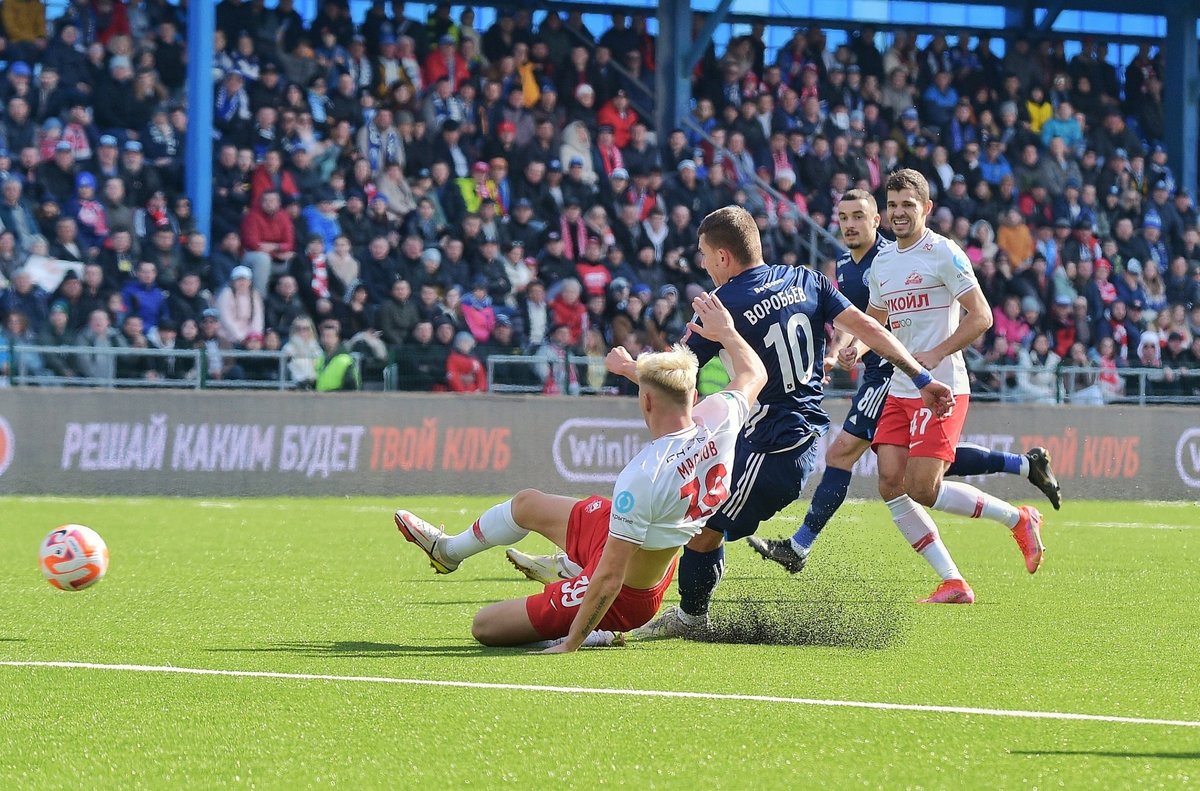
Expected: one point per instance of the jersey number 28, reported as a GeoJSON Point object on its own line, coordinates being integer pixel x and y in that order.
{"type": "Point", "coordinates": [795, 363]}
{"type": "Point", "coordinates": [704, 504]}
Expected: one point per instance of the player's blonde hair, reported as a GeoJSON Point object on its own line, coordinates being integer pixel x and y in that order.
{"type": "Point", "coordinates": [671, 373]}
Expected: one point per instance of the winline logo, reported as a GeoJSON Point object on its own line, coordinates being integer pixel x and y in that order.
{"type": "Point", "coordinates": [594, 450]}
{"type": "Point", "coordinates": [1187, 457]}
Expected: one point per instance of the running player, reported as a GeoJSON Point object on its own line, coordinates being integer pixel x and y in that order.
{"type": "Point", "coordinates": [920, 284]}
{"type": "Point", "coordinates": [625, 547]}
{"type": "Point", "coordinates": [858, 218]}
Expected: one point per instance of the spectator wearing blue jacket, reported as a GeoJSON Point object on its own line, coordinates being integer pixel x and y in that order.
{"type": "Point", "coordinates": [993, 166]}
{"type": "Point", "coordinates": [939, 100]}
{"type": "Point", "coordinates": [143, 296]}
{"type": "Point", "coordinates": [25, 296]}
{"type": "Point", "coordinates": [322, 219]}
{"type": "Point", "coordinates": [1130, 288]}
{"type": "Point", "coordinates": [1063, 124]}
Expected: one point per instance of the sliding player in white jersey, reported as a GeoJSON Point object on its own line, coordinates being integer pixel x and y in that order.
{"type": "Point", "coordinates": [924, 289]}
{"type": "Point", "coordinates": [624, 548]}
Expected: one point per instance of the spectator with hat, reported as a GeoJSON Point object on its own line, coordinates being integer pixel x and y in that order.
{"type": "Point", "coordinates": [606, 153]}
{"type": "Point", "coordinates": [88, 213]}
{"type": "Point", "coordinates": [477, 310]}
{"type": "Point", "coordinates": [1129, 286]}
{"type": "Point", "coordinates": [520, 226]}
{"type": "Point", "coordinates": [1153, 240]}
{"type": "Point", "coordinates": [141, 181]}
{"type": "Point", "coordinates": [58, 333]}
{"type": "Point", "coordinates": [240, 307]}
{"type": "Point", "coordinates": [576, 153]}
{"type": "Point", "coordinates": [464, 372]}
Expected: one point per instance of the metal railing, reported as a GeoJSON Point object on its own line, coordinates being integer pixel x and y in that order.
{"type": "Point", "coordinates": [577, 375]}
{"type": "Point", "coordinates": [1084, 385]}
{"type": "Point", "coordinates": [512, 374]}
{"type": "Point", "coordinates": [813, 234]}
{"type": "Point", "coordinates": [1003, 383]}
{"type": "Point", "coordinates": [111, 366]}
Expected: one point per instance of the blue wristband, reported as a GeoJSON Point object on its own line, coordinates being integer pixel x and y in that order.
{"type": "Point", "coordinates": [921, 378]}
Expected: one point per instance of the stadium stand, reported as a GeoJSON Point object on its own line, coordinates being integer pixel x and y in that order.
{"type": "Point", "coordinates": [423, 204]}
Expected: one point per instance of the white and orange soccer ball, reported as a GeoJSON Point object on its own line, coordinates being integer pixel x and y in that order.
{"type": "Point", "coordinates": [73, 557]}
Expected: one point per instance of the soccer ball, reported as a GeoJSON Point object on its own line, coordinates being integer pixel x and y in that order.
{"type": "Point", "coordinates": [73, 557]}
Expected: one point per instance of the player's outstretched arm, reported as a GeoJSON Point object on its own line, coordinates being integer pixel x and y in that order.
{"type": "Point", "coordinates": [713, 321]}
{"type": "Point", "coordinates": [621, 363]}
{"type": "Point", "coordinates": [602, 590]}
{"type": "Point", "coordinates": [976, 321]}
{"type": "Point", "coordinates": [869, 329]}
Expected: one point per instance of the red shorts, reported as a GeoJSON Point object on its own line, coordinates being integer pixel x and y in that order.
{"type": "Point", "coordinates": [552, 611]}
{"type": "Point", "coordinates": [907, 422]}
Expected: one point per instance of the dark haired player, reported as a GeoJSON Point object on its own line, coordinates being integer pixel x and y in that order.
{"type": "Point", "coordinates": [858, 218]}
{"type": "Point", "coordinates": [781, 312]}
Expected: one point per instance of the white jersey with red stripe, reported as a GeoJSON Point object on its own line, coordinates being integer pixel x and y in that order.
{"type": "Point", "coordinates": [673, 485]}
{"type": "Point", "coordinates": [919, 288]}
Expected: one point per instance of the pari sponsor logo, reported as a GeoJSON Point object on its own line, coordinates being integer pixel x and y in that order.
{"type": "Point", "coordinates": [1187, 457]}
{"type": "Point", "coordinates": [6, 445]}
{"type": "Point", "coordinates": [594, 450]}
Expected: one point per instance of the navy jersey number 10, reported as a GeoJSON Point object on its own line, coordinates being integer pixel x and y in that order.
{"type": "Point", "coordinates": [781, 312]}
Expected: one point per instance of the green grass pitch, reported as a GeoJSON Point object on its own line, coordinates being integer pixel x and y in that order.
{"type": "Point", "coordinates": [1109, 626]}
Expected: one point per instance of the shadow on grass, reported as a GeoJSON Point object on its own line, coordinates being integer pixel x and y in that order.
{"type": "Point", "coordinates": [1111, 754]}
{"type": "Point", "coordinates": [353, 649]}
{"type": "Point", "coordinates": [12, 639]}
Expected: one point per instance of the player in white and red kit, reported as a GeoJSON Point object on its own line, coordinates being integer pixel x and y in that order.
{"type": "Point", "coordinates": [625, 548]}
{"type": "Point", "coordinates": [924, 290]}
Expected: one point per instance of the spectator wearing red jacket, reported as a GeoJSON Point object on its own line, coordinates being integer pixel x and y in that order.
{"type": "Point", "coordinates": [617, 113]}
{"type": "Point", "coordinates": [268, 238]}
{"type": "Point", "coordinates": [112, 19]}
{"type": "Point", "coordinates": [270, 175]}
{"type": "Point", "coordinates": [446, 62]}
{"type": "Point", "coordinates": [464, 372]}
{"type": "Point", "coordinates": [568, 309]}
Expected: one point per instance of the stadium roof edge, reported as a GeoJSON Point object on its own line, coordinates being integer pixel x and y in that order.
{"type": "Point", "coordinates": [1152, 7]}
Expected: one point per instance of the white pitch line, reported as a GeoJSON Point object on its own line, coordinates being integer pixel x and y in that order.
{"type": "Point", "coordinates": [1127, 525]}
{"type": "Point", "coordinates": [638, 693]}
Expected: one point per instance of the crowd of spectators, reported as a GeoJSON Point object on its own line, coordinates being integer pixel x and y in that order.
{"type": "Point", "coordinates": [424, 193]}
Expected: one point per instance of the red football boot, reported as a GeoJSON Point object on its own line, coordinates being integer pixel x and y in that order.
{"type": "Point", "coordinates": [951, 592]}
{"type": "Point", "coordinates": [1028, 534]}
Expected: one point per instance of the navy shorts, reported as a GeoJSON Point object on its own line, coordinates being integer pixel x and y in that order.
{"type": "Point", "coordinates": [763, 485]}
{"type": "Point", "coordinates": [866, 407]}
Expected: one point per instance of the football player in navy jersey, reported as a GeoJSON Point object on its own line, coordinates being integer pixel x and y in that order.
{"type": "Point", "coordinates": [858, 218]}
{"type": "Point", "coordinates": [781, 312]}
